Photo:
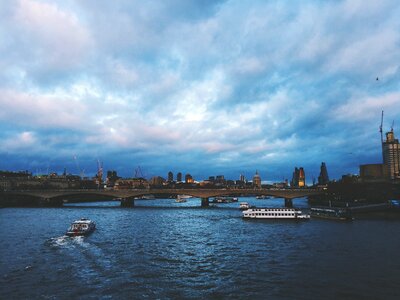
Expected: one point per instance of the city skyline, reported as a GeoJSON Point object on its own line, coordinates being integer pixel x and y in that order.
{"type": "Point", "coordinates": [200, 87]}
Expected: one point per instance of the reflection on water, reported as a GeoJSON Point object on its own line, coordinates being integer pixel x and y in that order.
{"type": "Point", "coordinates": [163, 249]}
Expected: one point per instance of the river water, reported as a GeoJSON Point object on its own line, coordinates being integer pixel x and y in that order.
{"type": "Point", "coordinates": [166, 250]}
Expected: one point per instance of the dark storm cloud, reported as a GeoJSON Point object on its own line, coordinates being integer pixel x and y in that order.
{"type": "Point", "coordinates": [223, 87]}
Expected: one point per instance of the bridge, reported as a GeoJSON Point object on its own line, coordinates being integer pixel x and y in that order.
{"type": "Point", "coordinates": [127, 197]}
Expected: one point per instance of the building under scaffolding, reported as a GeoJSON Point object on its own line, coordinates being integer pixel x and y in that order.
{"type": "Point", "coordinates": [391, 155]}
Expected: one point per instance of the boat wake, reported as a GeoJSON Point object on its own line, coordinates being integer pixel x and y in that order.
{"type": "Point", "coordinates": [79, 250]}
{"type": "Point", "coordinates": [87, 262]}
{"type": "Point", "coordinates": [67, 242]}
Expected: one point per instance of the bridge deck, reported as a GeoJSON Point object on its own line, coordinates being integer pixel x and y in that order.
{"type": "Point", "coordinates": [200, 193]}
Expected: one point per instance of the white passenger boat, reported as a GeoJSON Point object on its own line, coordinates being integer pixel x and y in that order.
{"type": "Point", "coordinates": [81, 227]}
{"type": "Point", "coordinates": [334, 213]}
{"type": "Point", "coordinates": [275, 213]}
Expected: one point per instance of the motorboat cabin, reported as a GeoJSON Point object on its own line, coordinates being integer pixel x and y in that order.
{"type": "Point", "coordinates": [81, 227]}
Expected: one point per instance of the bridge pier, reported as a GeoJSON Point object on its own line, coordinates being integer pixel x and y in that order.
{"type": "Point", "coordinates": [127, 202]}
{"type": "Point", "coordinates": [288, 203]}
{"type": "Point", "coordinates": [49, 202]}
{"type": "Point", "coordinates": [43, 201]}
{"type": "Point", "coordinates": [205, 202]}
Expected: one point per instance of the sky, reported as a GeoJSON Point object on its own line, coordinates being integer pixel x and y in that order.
{"type": "Point", "coordinates": [200, 87]}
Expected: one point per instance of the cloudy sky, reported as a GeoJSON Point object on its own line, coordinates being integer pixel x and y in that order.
{"type": "Point", "coordinates": [200, 87]}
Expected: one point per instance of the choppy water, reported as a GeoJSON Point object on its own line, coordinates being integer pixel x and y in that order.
{"type": "Point", "coordinates": [182, 252]}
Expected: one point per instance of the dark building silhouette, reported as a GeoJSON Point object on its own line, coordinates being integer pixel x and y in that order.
{"type": "Point", "coordinates": [220, 180]}
{"type": "Point", "coordinates": [295, 178]}
{"type": "Point", "coordinates": [257, 180]}
{"type": "Point", "coordinates": [242, 178]}
{"type": "Point", "coordinates": [373, 172]}
{"type": "Point", "coordinates": [302, 177]}
{"type": "Point", "coordinates": [157, 181]}
{"type": "Point", "coordinates": [299, 178]}
{"type": "Point", "coordinates": [170, 176]}
{"type": "Point", "coordinates": [323, 177]}
{"type": "Point", "coordinates": [112, 177]}
{"type": "Point", "coordinates": [179, 177]}
{"type": "Point", "coordinates": [189, 178]}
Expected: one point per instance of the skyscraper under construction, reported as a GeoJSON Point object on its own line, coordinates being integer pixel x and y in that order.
{"type": "Point", "coordinates": [391, 155]}
{"type": "Point", "coordinates": [390, 168]}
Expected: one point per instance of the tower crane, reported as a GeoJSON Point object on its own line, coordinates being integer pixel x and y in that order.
{"type": "Point", "coordinates": [380, 127]}
{"type": "Point", "coordinates": [80, 172]}
{"type": "Point", "coordinates": [138, 172]}
{"type": "Point", "coordinates": [99, 169]}
{"type": "Point", "coordinates": [99, 173]}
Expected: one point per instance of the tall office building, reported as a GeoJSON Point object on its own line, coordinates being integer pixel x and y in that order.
{"type": "Point", "coordinates": [170, 176]}
{"type": "Point", "coordinates": [323, 177]}
{"type": "Point", "coordinates": [295, 178]}
{"type": "Point", "coordinates": [179, 177]}
{"type": "Point", "coordinates": [302, 177]}
{"type": "Point", "coordinates": [242, 178]}
{"type": "Point", "coordinates": [299, 178]}
{"type": "Point", "coordinates": [391, 155]}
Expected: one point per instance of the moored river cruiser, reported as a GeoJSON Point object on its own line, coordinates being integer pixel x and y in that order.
{"type": "Point", "coordinates": [225, 199]}
{"type": "Point", "coordinates": [332, 213]}
{"type": "Point", "coordinates": [275, 213]}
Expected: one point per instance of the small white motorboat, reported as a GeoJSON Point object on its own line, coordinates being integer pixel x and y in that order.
{"type": "Point", "coordinates": [81, 227]}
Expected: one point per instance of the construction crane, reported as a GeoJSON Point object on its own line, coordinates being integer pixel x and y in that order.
{"type": "Point", "coordinates": [80, 172]}
{"type": "Point", "coordinates": [380, 128]}
{"type": "Point", "coordinates": [139, 173]}
{"type": "Point", "coordinates": [99, 176]}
